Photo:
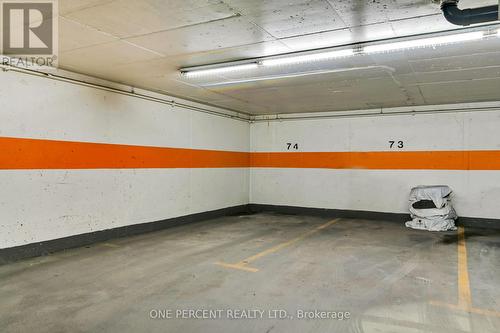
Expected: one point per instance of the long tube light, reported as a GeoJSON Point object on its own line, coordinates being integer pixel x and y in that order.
{"type": "Point", "coordinates": [424, 42]}
{"type": "Point", "coordinates": [220, 70]}
{"type": "Point", "coordinates": [303, 57]}
{"type": "Point", "coordinates": [307, 58]}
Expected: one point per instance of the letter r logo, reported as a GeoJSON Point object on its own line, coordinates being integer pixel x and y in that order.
{"type": "Point", "coordinates": [28, 28]}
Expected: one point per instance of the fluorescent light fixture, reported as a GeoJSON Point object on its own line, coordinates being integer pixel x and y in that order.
{"type": "Point", "coordinates": [423, 42]}
{"type": "Point", "coordinates": [219, 70]}
{"type": "Point", "coordinates": [294, 75]}
{"type": "Point", "coordinates": [324, 55]}
{"type": "Point", "coordinates": [295, 59]}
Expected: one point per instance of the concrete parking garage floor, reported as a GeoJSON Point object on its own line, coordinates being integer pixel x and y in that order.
{"type": "Point", "coordinates": [386, 277]}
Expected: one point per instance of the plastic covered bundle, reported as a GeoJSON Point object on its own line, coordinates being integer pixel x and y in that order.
{"type": "Point", "coordinates": [431, 208]}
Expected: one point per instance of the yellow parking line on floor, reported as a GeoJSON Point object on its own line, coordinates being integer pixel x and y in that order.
{"type": "Point", "coordinates": [242, 265]}
{"type": "Point", "coordinates": [236, 266]}
{"type": "Point", "coordinates": [484, 312]}
{"type": "Point", "coordinates": [464, 292]}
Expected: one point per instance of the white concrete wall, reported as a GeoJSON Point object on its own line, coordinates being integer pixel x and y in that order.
{"type": "Point", "coordinates": [38, 205]}
{"type": "Point", "coordinates": [476, 193]}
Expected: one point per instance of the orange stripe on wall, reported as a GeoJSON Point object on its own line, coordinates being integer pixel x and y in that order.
{"type": "Point", "coordinates": [17, 154]}
{"type": "Point", "coordinates": [413, 160]}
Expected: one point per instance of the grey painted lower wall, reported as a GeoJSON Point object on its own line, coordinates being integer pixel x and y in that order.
{"type": "Point", "coordinates": [472, 222]}
{"type": "Point", "coordinates": [43, 248]}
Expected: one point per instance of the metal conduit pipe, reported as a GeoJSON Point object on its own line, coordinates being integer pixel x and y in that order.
{"type": "Point", "coordinates": [233, 114]}
{"type": "Point", "coordinates": [469, 16]}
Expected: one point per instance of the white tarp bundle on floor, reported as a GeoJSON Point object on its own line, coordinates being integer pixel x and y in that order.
{"type": "Point", "coordinates": [431, 208]}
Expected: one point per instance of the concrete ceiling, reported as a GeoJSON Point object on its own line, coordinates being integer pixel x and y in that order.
{"type": "Point", "coordinates": [143, 43]}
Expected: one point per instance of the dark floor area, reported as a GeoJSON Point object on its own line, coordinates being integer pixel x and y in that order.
{"type": "Point", "coordinates": [383, 276]}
